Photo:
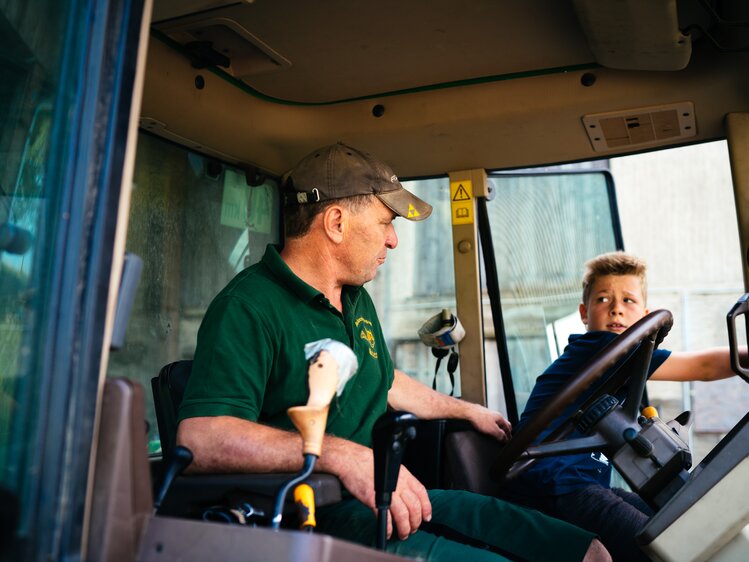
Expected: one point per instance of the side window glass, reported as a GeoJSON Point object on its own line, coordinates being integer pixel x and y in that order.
{"type": "Point", "coordinates": [544, 228]}
{"type": "Point", "coordinates": [417, 282]}
{"type": "Point", "coordinates": [23, 213]}
{"type": "Point", "coordinates": [32, 39]}
{"type": "Point", "coordinates": [195, 223]}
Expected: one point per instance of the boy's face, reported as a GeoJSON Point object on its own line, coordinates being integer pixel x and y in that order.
{"type": "Point", "coordinates": [615, 303]}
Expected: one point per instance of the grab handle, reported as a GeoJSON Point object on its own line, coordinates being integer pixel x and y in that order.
{"type": "Point", "coordinates": [741, 307]}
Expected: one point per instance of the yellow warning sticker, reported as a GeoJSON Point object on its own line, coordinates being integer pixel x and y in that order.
{"type": "Point", "coordinates": [412, 212]}
{"type": "Point", "coordinates": [461, 202]}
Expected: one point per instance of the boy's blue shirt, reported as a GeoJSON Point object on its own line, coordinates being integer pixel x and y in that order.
{"type": "Point", "coordinates": [555, 476]}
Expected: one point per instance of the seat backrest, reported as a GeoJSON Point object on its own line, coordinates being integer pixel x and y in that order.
{"type": "Point", "coordinates": [168, 389]}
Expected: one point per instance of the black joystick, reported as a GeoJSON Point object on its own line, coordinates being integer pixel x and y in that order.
{"type": "Point", "coordinates": [389, 436]}
{"type": "Point", "coordinates": [181, 459]}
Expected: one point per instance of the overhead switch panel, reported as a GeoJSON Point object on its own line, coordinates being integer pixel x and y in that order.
{"type": "Point", "coordinates": [640, 127]}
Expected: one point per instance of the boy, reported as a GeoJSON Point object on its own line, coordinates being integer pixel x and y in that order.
{"type": "Point", "coordinates": [576, 488]}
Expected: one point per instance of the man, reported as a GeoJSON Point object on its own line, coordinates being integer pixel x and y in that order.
{"type": "Point", "coordinates": [249, 368]}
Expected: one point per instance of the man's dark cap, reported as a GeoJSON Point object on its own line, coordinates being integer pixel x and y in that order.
{"type": "Point", "coordinates": [339, 170]}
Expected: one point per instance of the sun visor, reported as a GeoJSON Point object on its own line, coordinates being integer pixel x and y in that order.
{"type": "Point", "coordinates": [634, 34]}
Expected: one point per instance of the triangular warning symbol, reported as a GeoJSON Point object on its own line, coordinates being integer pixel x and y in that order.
{"type": "Point", "coordinates": [461, 194]}
{"type": "Point", "coordinates": [412, 212]}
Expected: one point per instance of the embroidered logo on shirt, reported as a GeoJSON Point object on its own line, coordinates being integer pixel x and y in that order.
{"type": "Point", "coordinates": [367, 335]}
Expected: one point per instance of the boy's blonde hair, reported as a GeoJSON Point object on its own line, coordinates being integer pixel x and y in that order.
{"type": "Point", "coordinates": [614, 263]}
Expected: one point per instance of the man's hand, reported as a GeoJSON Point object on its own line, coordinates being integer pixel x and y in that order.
{"type": "Point", "coordinates": [413, 396]}
{"type": "Point", "coordinates": [489, 422]}
{"type": "Point", "coordinates": [410, 503]}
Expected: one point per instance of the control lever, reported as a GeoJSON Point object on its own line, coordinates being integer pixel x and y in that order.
{"type": "Point", "coordinates": [390, 434]}
{"type": "Point", "coordinates": [331, 365]}
{"type": "Point", "coordinates": [181, 459]}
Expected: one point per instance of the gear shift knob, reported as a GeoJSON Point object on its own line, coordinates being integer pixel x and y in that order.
{"type": "Point", "coordinates": [331, 365]}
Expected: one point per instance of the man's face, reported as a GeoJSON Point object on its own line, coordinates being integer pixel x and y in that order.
{"type": "Point", "coordinates": [371, 235]}
{"type": "Point", "coordinates": [615, 303]}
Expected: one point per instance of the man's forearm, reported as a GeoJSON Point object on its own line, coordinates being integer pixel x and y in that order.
{"type": "Point", "coordinates": [229, 444]}
{"type": "Point", "coordinates": [415, 397]}
{"type": "Point", "coordinates": [411, 395]}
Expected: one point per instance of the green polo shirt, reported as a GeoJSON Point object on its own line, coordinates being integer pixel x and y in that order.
{"type": "Point", "coordinates": [249, 361]}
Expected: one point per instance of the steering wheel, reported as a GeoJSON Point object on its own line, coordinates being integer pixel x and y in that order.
{"type": "Point", "coordinates": [520, 452]}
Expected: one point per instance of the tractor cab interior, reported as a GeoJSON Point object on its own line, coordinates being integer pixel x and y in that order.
{"type": "Point", "coordinates": [142, 146]}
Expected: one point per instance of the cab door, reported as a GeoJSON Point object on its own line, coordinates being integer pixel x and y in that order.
{"type": "Point", "coordinates": [69, 70]}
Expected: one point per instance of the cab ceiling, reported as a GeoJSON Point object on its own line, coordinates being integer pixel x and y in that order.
{"type": "Point", "coordinates": [369, 73]}
{"type": "Point", "coordinates": [337, 50]}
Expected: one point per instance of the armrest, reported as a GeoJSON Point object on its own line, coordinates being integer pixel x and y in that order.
{"type": "Point", "coordinates": [469, 455]}
{"type": "Point", "coordinates": [190, 495]}
{"type": "Point", "coordinates": [426, 455]}
{"type": "Point", "coordinates": [451, 454]}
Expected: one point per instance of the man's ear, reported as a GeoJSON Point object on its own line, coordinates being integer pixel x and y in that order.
{"type": "Point", "coordinates": [334, 220]}
{"type": "Point", "coordinates": [583, 313]}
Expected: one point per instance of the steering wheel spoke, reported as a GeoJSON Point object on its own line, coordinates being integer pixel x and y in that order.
{"type": "Point", "coordinates": [586, 444]}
